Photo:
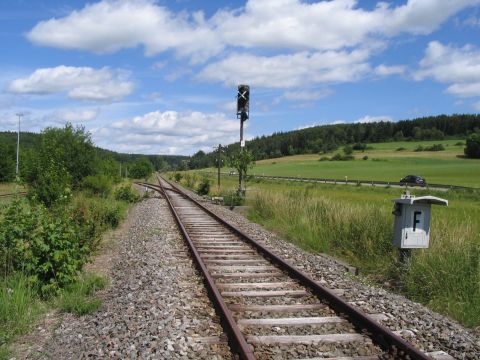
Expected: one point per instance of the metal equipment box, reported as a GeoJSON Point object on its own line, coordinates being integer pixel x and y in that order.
{"type": "Point", "coordinates": [412, 220]}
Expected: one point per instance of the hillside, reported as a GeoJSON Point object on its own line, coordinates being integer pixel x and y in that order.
{"type": "Point", "coordinates": [327, 138]}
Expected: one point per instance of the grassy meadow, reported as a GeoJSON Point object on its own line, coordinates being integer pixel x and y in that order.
{"type": "Point", "coordinates": [384, 163]}
{"type": "Point", "coordinates": [355, 223]}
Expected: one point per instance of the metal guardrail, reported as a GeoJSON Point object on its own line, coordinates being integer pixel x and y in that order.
{"type": "Point", "coordinates": [21, 193]}
{"type": "Point", "coordinates": [351, 181]}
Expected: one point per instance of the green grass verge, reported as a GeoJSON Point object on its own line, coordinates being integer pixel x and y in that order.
{"type": "Point", "coordinates": [78, 298]}
{"type": "Point", "coordinates": [19, 308]}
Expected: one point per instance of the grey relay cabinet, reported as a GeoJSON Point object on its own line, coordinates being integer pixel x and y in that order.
{"type": "Point", "coordinates": [412, 220]}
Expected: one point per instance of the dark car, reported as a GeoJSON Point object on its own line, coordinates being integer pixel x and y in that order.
{"type": "Point", "coordinates": [413, 180]}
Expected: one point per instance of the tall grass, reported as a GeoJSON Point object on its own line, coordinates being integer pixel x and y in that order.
{"type": "Point", "coordinates": [446, 276]}
{"type": "Point", "coordinates": [19, 309]}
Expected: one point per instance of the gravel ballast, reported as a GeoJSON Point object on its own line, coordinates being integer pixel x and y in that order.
{"type": "Point", "coordinates": [155, 307]}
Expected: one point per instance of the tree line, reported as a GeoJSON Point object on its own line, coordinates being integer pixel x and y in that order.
{"type": "Point", "coordinates": [118, 164]}
{"type": "Point", "coordinates": [327, 138]}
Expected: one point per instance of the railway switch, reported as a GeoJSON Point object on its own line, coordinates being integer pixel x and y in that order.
{"type": "Point", "coordinates": [412, 220]}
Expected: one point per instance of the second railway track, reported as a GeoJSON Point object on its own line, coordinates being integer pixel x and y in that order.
{"type": "Point", "coordinates": [269, 309]}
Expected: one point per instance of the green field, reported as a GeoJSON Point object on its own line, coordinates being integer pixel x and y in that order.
{"type": "Point", "coordinates": [384, 164]}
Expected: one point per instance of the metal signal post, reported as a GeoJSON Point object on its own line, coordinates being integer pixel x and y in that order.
{"type": "Point", "coordinates": [243, 107]}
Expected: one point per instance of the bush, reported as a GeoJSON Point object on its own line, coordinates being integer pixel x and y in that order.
{"type": "Point", "coordinates": [348, 150]}
{"type": "Point", "coordinates": [142, 168]}
{"type": "Point", "coordinates": [435, 147]}
{"type": "Point", "coordinates": [472, 149]}
{"type": "Point", "coordinates": [125, 193]}
{"type": "Point", "coordinates": [365, 157]}
{"type": "Point", "coordinates": [419, 148]}
{"type": "Point", "coordinates": [48, 248]}
{"type": "Point", "coordinates": [400, 149]}
{"type": "Point", "coordinates": [52, 185]}
{"type": "Point", "coordinates": [336, 157]}
{"type": "Point", "coordinates": [233, 199]}
{"type": "Point", "coordinates": [359, 146]}
{"type": "Point", "coordinates": [324, 158]}
{"type": "Point", "coordinates": [459, 143]}
{"type": "Point", "coordinates": [340, 157]}
{"type": "Point", "coordinates": [204, 187]}
{"type": "Point", "coordinates": [178, 177]}
{"type": "Point", "coordinates": [98, 184]}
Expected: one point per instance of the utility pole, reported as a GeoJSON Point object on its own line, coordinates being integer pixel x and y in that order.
{"type": "Point", "coordinates": [243, 104]}
{"type": "Point", "coordinates": [219, 165]}
{"type": "Point", "coordinates": [18, 143]}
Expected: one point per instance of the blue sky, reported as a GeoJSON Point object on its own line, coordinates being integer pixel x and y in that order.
{"type": "Point", "coordinates": [160, 77]}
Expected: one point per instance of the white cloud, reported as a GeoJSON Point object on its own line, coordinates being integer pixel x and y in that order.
{"type": "Point", "coordinates": [306, 95]}
{"type": "Point", "coordinates": [189, 131]}
{"type": "Point", "coordinates": [458, 67]}
{"type": "Point", "coordinates": [287, 71]}
{"type": "Point", "coordinates": [384, 70]}
{"type": "Point", "coordinates": [110, 25]}
{"type": "Point", "coordinates": [372, 119]}
{"type": "Point", "coordinates": [83, 83]}
{"type": "Point", "coordinates": [77, 115]}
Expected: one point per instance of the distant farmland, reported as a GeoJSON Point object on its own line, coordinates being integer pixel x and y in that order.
{"type": "Point", "coordinates": [384, 163]}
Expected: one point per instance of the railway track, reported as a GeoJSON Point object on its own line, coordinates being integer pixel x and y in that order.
{"type": "Point", "coordinates": [271, 310]}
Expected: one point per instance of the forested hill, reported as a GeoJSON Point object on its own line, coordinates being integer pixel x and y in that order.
{"type": "Point", "coordinates": [29, 140]}
{"type": "Point", "coordinates": [327, 138]}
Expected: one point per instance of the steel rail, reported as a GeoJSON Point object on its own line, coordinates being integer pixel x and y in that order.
{"type": "Point", "coordinates": [237, 340]}
{"type": "Point", "coordinates": [380, 334]}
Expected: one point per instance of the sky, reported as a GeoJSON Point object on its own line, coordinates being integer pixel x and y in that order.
{"type": "Point", "coordinates": [161, 77]}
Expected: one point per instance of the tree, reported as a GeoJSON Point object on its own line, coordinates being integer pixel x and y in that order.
{"type": "Point", "coordinates": [64, 157]}
{"type": "Point", "coordinates": [142, 168]}
{"type": "Point", "coordinates": [7, 162]}
{"type": "Point", "coordinates": [472, 149]}
{"type": "Point", "coordinates": [242, 161]}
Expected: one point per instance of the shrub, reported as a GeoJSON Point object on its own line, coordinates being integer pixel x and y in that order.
{"type": "Point", "coordinates": [418, 148]}
{"type": "Point", "coordinates": [48, 248]}
{"type": "Point", "coordinates": [400, 149]}
{"type": "Point", "coordinates": [142, 168]}
{"type": "Point", "coordinates": [324, 158]}
{"type": "Point", "coordinates": [125, 193]}
{"type": "Point", "coordinates": [178, 177]}
{"type": "Point", "coordinates": [340, 157]}
{"type": "Point", "coordinates": [348, 150]}
{"type": "Point", "coordinates": [472, 149]}
{"type": "Point", "coordinates": [98, 184]}
{"type": "Point", "coordinates": [190, 180]}
{"type": "Point", "coordinates": [359, 146]}
{"type": "Point", "coordinates": [365, 157]}
{"type": "Point", "coordinates": [52, 185]}
{"type": "Point", "coordinates": [233, 199]}
{"type": "Point", "coordinates": [435, 147]}
{"type": "Point", "coordinates": [459, 143]}
{"type": "Point", "coordinates": [204, 187]}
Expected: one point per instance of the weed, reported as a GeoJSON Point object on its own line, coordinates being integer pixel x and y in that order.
{"type": "Point", "coordinates": [78, 297]}
{"type": "Point", "coordinates": [19, 309]}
